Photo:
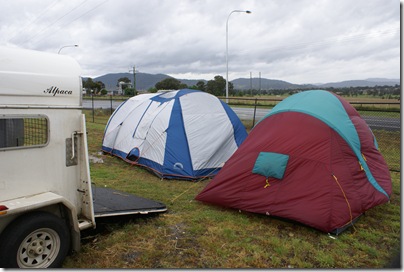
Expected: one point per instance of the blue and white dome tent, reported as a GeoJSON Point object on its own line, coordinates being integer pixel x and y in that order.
{"type": "Point", "coordinates": [185, 134]}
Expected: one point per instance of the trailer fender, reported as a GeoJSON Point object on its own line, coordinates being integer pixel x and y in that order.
{"type": "Point", "coordinates": [18, 206]}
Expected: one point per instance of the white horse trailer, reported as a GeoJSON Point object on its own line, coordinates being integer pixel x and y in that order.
{"type": "Point", "coordinates": [46, 195]}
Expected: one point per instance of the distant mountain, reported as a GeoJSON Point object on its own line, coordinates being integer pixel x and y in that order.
{"type": "Point", "coordinates": [370, 82]}
{"type": "Point", "coordinates": [383, 80]}
{"type": "Point", "coordinates": [266, 84]}
{"type": "Point", "coordinates": [146, 81]}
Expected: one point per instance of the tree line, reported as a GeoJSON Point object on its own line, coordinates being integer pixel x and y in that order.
{"type": "Point", "coordinates": [217, 87]}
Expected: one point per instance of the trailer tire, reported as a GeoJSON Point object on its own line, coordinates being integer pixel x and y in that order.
{"type": "Point", "coordinates": [36, 240]}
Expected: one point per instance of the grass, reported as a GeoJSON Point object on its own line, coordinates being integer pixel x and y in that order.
{"type": "Point", "coordinates": [389, 145]}
{"type": "Point", "coordinates": [194, 235]}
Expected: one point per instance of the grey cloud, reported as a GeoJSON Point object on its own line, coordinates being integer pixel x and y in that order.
{"type": "Point", "coordinates": [300, 41]}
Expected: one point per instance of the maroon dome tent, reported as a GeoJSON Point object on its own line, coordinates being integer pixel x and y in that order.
{"type": "Point", "coordinates": [312, 159]}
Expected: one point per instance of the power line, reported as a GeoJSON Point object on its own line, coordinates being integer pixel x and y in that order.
{"type": "Point", "coordinates": [78, 17]}
{"type": "Point", "coordinates": [57, 20]}
{"type": "Point", "coordinates": [30, 23]}
{"type": "Point", "coordinates": [84, 13]}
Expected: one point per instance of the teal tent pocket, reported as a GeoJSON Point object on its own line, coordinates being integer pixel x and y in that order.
{"type": "Point", "coordinates": [271, 164]}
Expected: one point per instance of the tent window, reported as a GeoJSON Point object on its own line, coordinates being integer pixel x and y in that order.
{"type": "Point", "coordinates": [23, 132]}
{"type": "Point", "coordinates": [269, 164]}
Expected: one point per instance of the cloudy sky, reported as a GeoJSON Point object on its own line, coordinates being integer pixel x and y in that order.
{"type": "Point", "coordinates": [304, 41]}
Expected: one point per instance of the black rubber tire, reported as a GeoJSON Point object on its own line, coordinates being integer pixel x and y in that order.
{"type": "Point", "coordinates": [35, 240]}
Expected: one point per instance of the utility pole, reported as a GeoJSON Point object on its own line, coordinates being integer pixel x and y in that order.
{"type": "Point", "coordinates": [134, 77]}
{"type": "Point", "coordinates": [251, 83]}
{"type": "Point", "coordinates": [259, 91]}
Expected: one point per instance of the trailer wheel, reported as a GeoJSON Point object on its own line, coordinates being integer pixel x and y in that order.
{"type": "Point", "coordinates": [36, 240]}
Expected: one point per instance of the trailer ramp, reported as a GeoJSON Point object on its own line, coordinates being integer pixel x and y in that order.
{"type": "Point", "coordinates": [110, 202]}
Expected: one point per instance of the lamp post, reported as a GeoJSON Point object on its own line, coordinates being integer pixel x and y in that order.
{"type": "Point", "coordinates": [227, 51]}
{"type": "Point", "coordinates": [73, 45]}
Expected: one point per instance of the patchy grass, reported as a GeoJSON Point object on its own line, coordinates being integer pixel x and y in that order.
{"type": "Point", "coordinates": [195, 235]}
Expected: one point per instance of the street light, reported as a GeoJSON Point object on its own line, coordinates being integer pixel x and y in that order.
{"type": "Point", "coordinates": [227, 51]}
{"type": "Point", "coordinates": [73, 45]}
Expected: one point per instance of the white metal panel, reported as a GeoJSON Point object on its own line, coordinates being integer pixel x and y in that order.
{"type": "Point", "coordinates": [37, 78]}
{"type": "Point", "coordinates": [87, 207]}
{"type": "Point", "coordinates": [32, 171]}
{"type": "Point", "coordinates": [32, 202]}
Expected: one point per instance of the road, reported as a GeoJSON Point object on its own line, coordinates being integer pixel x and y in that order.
{"type": "Point", "coordinates": [375, 122]}
{"type": "Point", "coordinates": [100, 104]}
